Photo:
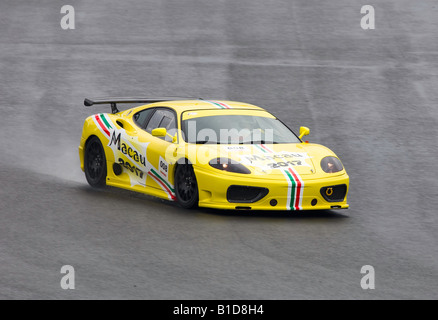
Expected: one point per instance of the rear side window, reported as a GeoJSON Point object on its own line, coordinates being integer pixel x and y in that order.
{"type": "Point", "coordinates": [166, 122]}
{"type": "Point", "coordinates": [162, 118]}
{"type": "Point", "coordinates": [142, 116]}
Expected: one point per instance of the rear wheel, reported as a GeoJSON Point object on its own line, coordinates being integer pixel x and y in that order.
{"type": "Point", "coordinates": [95, 163]}
{"type": "Point", "coordinates": [186, 186]}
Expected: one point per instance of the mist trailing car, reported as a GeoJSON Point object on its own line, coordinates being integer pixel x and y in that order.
{"type": "Point", "coordinates": [217, 154]}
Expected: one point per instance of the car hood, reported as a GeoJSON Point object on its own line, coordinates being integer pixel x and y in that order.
{"type": "Point", "coordinates": [271, 159]}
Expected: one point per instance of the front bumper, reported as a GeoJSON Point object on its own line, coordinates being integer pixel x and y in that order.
{"type": "Point", "coordinates": [213, 187]}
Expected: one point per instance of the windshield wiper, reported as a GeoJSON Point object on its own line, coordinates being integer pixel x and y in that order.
{"type": "Point", "coordinates": [205, 141]}
{"type": "Point", "coordinates": [261, 142]}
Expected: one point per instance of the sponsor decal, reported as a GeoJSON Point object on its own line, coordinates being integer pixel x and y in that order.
{"type": "Point", "coordinates": [126, 149]}
{"type": "Point", "coordinates": [329, 191]}
{"type": "Point", "coordinates": [132, 156]}
{"type": "Point", "coordinates": [269, 159]}
{"type": "Point", "coordinates": [132, 168]}
{"type": "Point", "coordinates": [296, 159]}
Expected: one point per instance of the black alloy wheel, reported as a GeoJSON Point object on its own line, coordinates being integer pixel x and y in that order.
{"type": "Point", "coordinates": [95, 163]}
{"type": "Point", "coordinates": [186, 186]}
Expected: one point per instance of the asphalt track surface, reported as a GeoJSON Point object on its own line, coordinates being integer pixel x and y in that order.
{"type": "Point", "coordinates": [371, 96]}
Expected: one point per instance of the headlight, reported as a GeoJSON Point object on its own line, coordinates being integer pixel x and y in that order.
{"type": "Point", "coordinates": [229, 165]}
{"type": "Point", "coordinates": [331, 165]}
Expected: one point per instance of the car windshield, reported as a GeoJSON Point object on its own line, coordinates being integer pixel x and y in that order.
{"type": "Point", "coordinates": [236, 129]}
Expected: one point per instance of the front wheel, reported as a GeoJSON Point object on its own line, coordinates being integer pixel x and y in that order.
{"type": "Point", "coordinates": [186, 186]}
{"type": "Point", "coordinates": [95, 163]}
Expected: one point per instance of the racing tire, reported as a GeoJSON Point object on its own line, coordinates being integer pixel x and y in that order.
{"type": "Point", "coordinates": [95, 163]}
{"type": "Point", "coordinates": [186, 186]}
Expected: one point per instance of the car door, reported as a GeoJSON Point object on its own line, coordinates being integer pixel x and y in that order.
{"type": "Point", "coordinates": [159, 172]}
{"type": "Point", "coordinates": [129, 146]}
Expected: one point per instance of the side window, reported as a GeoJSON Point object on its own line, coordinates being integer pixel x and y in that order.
{"type": "Point", "coordinates": [163, 118]}
{"type": "Point", "coordinates": [142, 116]}
{"type": "Point", "coordinates": [154, 121]}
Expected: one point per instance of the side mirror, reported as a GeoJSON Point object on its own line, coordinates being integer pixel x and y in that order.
{"type": "Point", "coordinates": [304, 131]}
{"type": "Point", "coordinates": [162, 132]}
{"type": "Point", "coordinates": [159, 132]}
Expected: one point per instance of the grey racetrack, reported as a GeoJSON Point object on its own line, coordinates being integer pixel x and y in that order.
{"type": "Point", "coordinates": [369, 95]}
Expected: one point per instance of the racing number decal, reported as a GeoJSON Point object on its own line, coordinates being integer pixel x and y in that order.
{"type": "Point", "coordinates": [294, 181]}
{"type": "Point", "coordinates": [163, 167]}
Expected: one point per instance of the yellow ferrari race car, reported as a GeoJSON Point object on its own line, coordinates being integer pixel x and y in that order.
{"type": "Point", "coordinates": [216, 154]}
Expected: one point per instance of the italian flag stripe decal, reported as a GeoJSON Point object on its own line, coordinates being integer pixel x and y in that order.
{"type": "Point", "coordinates": [291, 194]}
{"type": "Point", "coordinates": [163, 183]}
{"type": "Point", "coordinates": [160, 182]}
{"type": "Point", "coordinates": [294, 181]}
{"type": "Point", "coordinates": [299, 193]}
{"type": "Point", "coordinates": [260, 148]}
{"type": "Point", "coordinates": [296, 189]}
{"type": "Point", "coordinates": [101, 124]}
{"type": "Point", "coordinates": [102, 116]}
{"type": "Point", "coordinates": [219, 105]}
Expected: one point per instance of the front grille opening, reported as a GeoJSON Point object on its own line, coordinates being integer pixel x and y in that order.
{"type": "Point", "coordinates": [334, 193]}
{"type": "Point", "coordinates": [245, 194]}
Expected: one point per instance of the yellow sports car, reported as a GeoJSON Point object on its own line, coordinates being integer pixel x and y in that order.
{"type": "Point", "coordinates": [217, 154]}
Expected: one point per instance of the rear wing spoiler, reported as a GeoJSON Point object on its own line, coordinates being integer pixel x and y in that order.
{"type": "Point", "coordinates": [114, 101]}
